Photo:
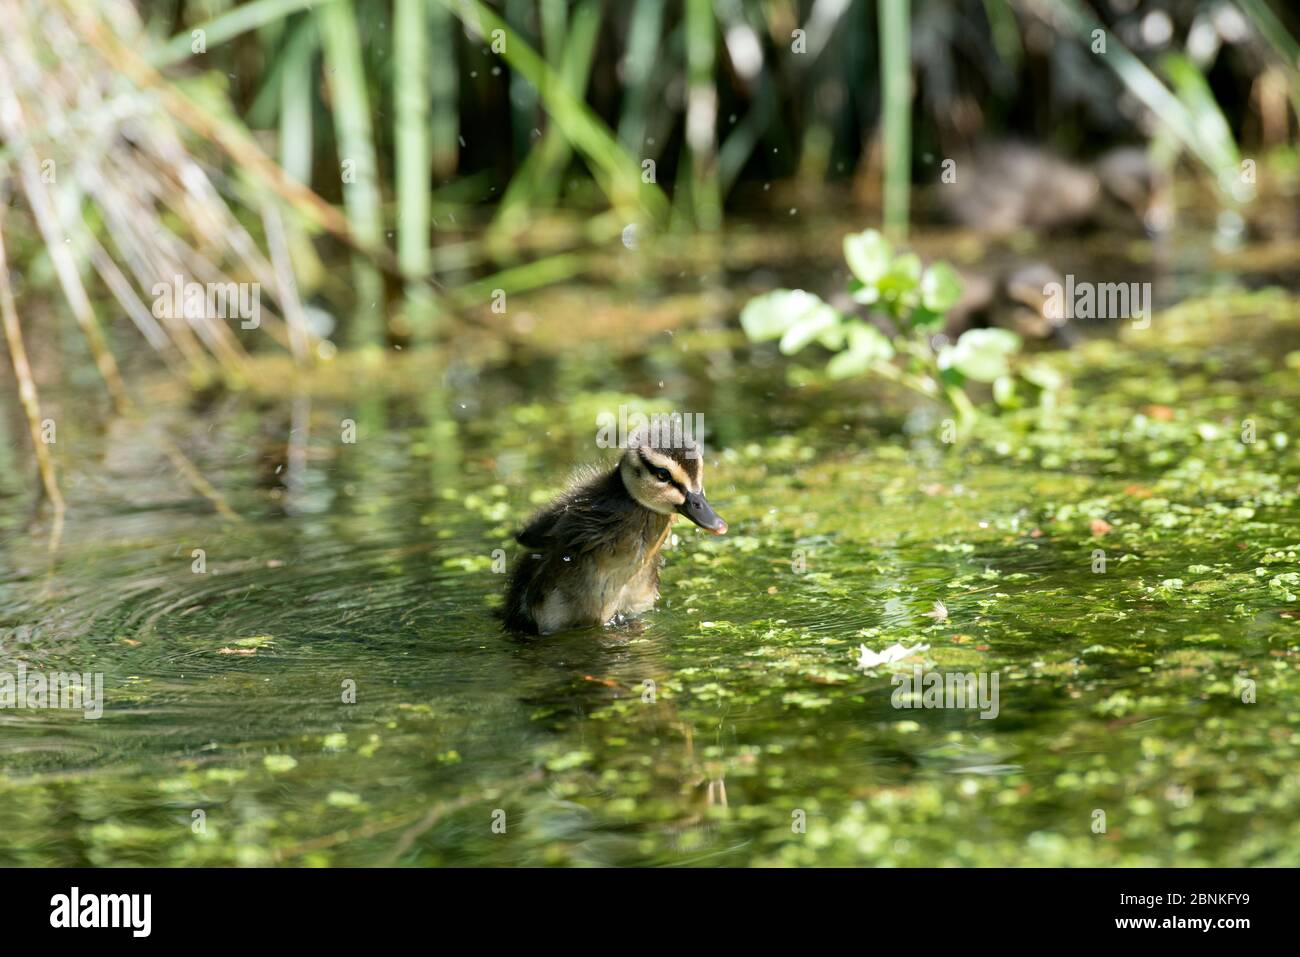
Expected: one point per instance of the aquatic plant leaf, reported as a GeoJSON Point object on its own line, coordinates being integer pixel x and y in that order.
{"type": "Point", "coordinates": [867, 347]}
{"type": "Point", "coordinates": [868, 255]}
{"type": "Point", "coordinates": [833, 338]}
{"type": "Point", "coordinates": [1004, 392]}
{"type": "Point", "coordinates": [1043, 376]}
{"type": "Point", "coordinates": [812, 325]}
{"type": "Point", "coordinates": [867, 295]}
{"type": "Point", "coordinates": [925, 319]}
{"type": "Point", "coordinates": [980, 354]}
{"type": "Point", "coordinates": [870, 341]}
{"type": "Point", "coordinates": [940, 287]}
{"type": "Point", "coordinates": [773, 314]}
{"type": "Point", "coordinates": [902, 277]}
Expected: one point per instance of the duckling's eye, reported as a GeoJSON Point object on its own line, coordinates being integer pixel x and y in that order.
{"type": "Point", "coordinates": [661, 474]}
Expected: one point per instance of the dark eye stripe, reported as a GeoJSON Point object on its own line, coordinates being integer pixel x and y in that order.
{"type": "Point", "coordinates": [656, 469]}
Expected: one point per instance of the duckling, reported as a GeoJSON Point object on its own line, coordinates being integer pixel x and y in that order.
{"type": "Point", "coordinates": [1004, 187]}
{"type": "Point", "coordinates": [592, 556]}
{"type": "Point", "coordinates": [1016, 299]}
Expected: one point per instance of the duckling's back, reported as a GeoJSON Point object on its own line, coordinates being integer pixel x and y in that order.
{"type": "Point", "coordinates": [1005, 186]}
{"type": "Point", "coordinates": [555, 581]}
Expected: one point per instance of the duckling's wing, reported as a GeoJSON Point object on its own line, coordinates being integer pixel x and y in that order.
{"type": "Point", "coordinates": [575, 517]}
{"type": "Point", "coordinates": [540, 528]}
{"type": "Point", "coordinates": [578, 526]}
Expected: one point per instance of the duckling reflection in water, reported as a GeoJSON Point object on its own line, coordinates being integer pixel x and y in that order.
{"type": "Point", "coordinates": [592, 556]}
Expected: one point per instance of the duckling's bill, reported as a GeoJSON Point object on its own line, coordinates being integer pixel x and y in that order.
{"type": "Point", "coordinates": [698, 510]}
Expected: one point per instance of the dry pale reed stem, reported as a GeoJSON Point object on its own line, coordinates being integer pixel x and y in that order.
{"type": "Point", "coordinates": [123, 292]}
{"type": "Point", "coordinates": [73, 88]}
{"type": "Point", "coordinates": [13, 127]}
{"type": "Point", "coordinates": [141, 257]}
{"type": "Point", "coordinates": [233, 141]}
{"type": "Point", "coordinates": [300, 335]}
{"type": "Point", "coordinates": [27, 385]}
{"type": "Point", "coordinates": [131, 161]}
{"type": "Point", "coordinates": [237, 144]}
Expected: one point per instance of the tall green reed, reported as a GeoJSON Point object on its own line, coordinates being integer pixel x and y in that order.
{"type": "Point", "coordinates": [896, 106]}
{"type": "Point", "coordinates": [358, 161]}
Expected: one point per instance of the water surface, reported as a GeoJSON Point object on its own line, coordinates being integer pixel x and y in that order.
{"type": "Point", "coordinates": [731, 725]}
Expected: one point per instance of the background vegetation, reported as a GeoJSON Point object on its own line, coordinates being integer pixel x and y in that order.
{"type": "Point", "coordinates": [390, 171]}
{"type": "Point", "coordinates": [467, 146]}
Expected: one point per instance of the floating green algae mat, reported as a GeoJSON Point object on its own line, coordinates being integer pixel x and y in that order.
{"type": "Point", "coordinates": [333, 688]}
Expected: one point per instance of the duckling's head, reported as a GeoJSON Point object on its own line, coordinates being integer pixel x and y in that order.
{"type": "Point", "coordinates": [668, 480]}
{"type": "Point", "coordinates": [1135, 187]}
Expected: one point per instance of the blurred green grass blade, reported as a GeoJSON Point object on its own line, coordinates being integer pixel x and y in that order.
{"type": "Point", "coordinates": [554, 17]}
{"type": "Point", "coordinates": [745, 136]}
{"type": "Point", "coordinates": [617, 173]}
{"type": "Point", "coordinates": [297, 89]}
{"type": "Point", "coordinates": [226, 26]}
{"type": "Point", "coordinates": [638, 72]}
{"type": "Point", "coordinates": [745, 130]}
{"type": "Point", "coordinates": [1212, 129]}
{"type": "Point", "coordinates": [1273, 30]}
{"type": "Point", "coordinates": [539, 179]}
{"type": "Point", "coordinates": [516, 279]}
{"type": "Point", "coordinates": [1145, 85]}
{"type": "Point", "coordinates": [356, 149]}
{"type": "Point", "coordinates": [265, 109]}
{"type": "Point", "coordinates": [524, 105]}
{"type": "Point", "coordinates": [1279, 38]}
{"type": "Point", "coordinates": [896, 103]}
{"type": "Point", "coordinates": [411, 113]}
{"type": "Point", "coordinates": [1005, 32]}
{"type": "Point", "coordinates": [444, 88]}
{"type": "Point", "coordinates": [702, 113]}
{"type": "Point", "coordinates": [297, 111]}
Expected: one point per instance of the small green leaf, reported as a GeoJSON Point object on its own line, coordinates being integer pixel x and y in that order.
{"type": "Point", "coordinates": [867, 295]}
{"type": "Point", "coordinates": [812, 325]}
{"type": "Point", "coordinates": [1043, 376]}
{"type": "Point", "coordinates": [950, 375]}
{"type": "Point", "coordinates": [868, 256]}
{"type": "Point", "coordinates": [903, 275]}
{"type": "Point", "coordinates": [868, 340]}
{"type": "Point", "coordinates": [771, 315]}
{"type": "Point", "coordinates": [832, 338]}
{"type": "Point", "coordinates": [1004, 392]}
{"type": "Point", "coordinates": [980, 354]}
{"type": "Point", "coordinates": [867, 348]}
{"type": "Point", "coordinates": [923, 318]}
{"type": "Point", "coordinates": [899, 288]}
{"type": "Point", "coordinates": [940, 287]}
{"type": "Point", "coordinates": [845, 365]}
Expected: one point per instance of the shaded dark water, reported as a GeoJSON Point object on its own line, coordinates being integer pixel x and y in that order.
{"type": "Point", "coordinates": [331, 687]}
